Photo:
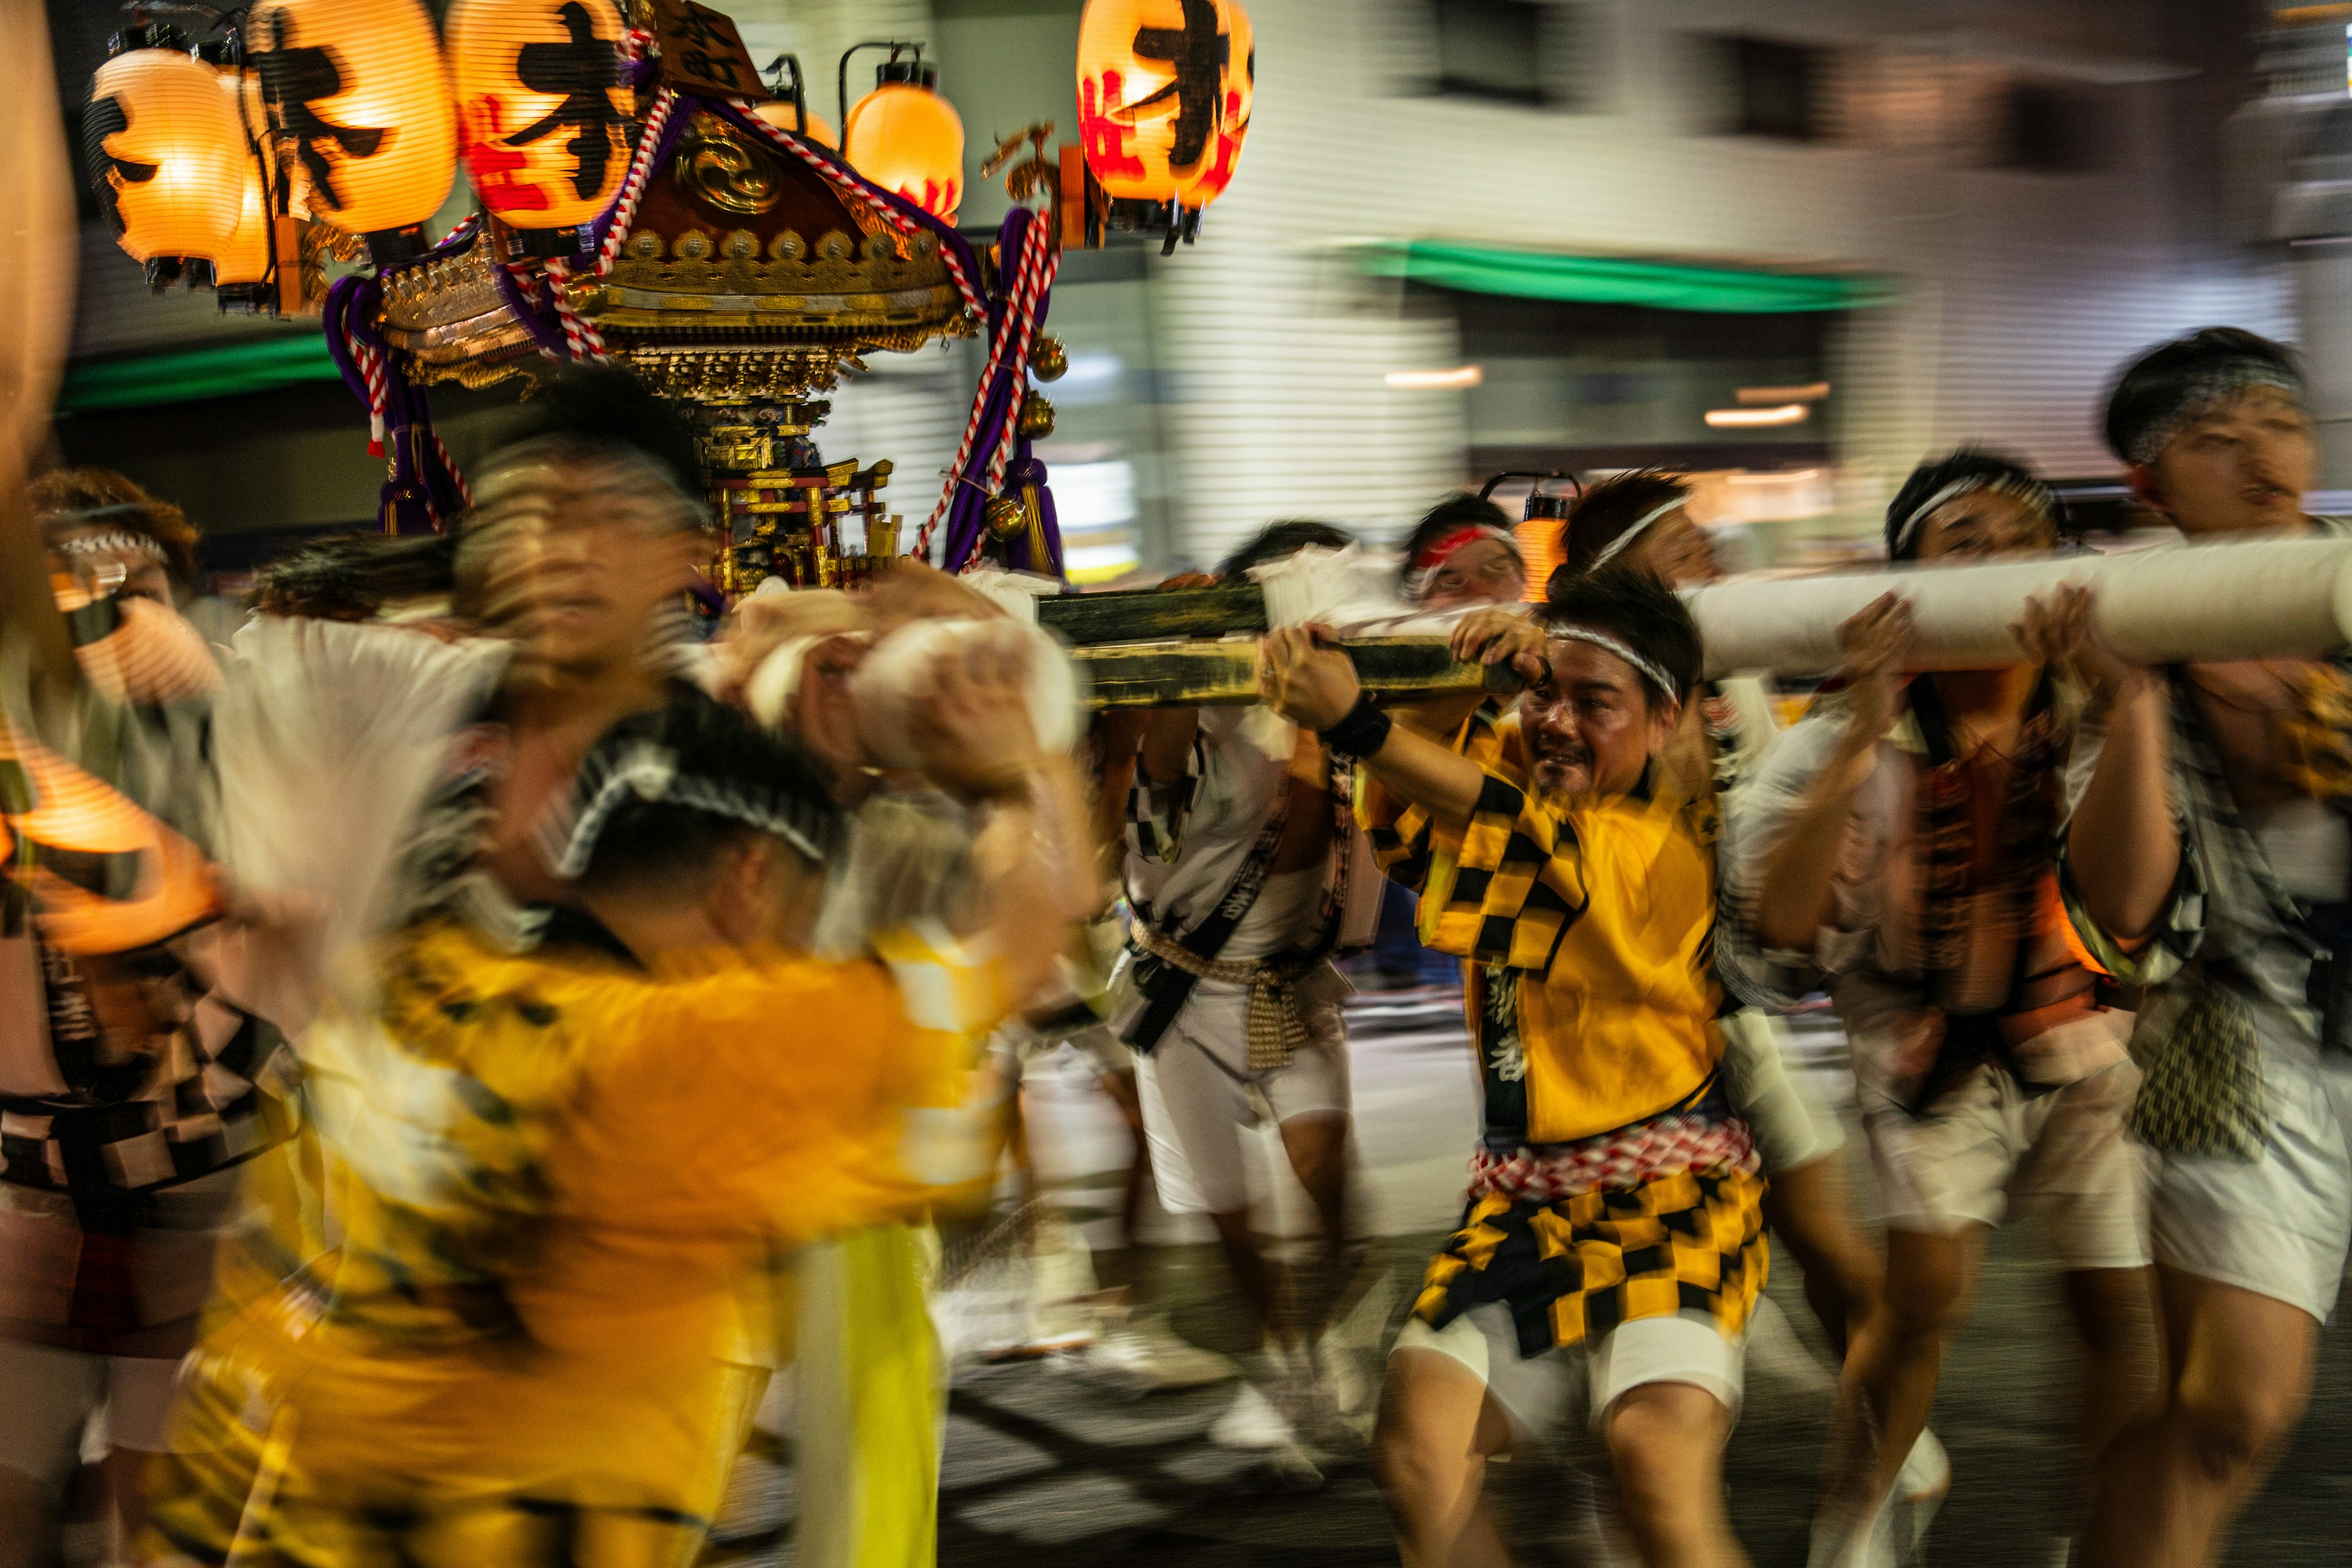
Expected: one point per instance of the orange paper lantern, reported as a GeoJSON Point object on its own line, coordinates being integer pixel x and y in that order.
{"type": "Point", "coordinates": [541, 106]}
{"type": "Point", "coordinates": [909, 140]}
{"type": "Point", "coordinates": [244, 256]}
{"type": "Point", "coordinates": [1165, 92]}
{"type": "Point", "coordinates": [360, 105]}
{"type": "Point", "coordinates": [164, 152]}
{"type": "Point", "coordinates": [779, 113]}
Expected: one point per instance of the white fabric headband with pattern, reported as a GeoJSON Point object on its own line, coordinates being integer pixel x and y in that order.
{"type": "Point", "coordinates": [2034, 492]}
{"type": "Point", "coordinates": [1652, 671]}
{"type": "Point", "coordinates": [1617, 546]}
{"type": "Point", "coordinates": [649, 771]}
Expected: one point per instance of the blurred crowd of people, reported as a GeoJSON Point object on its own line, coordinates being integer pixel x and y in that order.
{"type": "Point", "coordinates": [468, 1035]}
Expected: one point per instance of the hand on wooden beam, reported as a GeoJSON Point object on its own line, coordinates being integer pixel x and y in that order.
{"type": "Point", "coordinates": [1304, 675]}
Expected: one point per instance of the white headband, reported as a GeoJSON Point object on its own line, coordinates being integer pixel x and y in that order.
{"type": "Point", "coordinates": [2034, 492]}
{"type": "Point", "coordinates": [1654, 672]}
{"type": "Point", "coordinates": [650, 772]}
{"type": "Point", "coordinates": [1616, 547]}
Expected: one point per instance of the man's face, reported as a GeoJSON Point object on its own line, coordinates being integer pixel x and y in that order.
{"type": "Point", "coordinates": [1676, 551]}
{"type": "Point", "coordinates": [2240, 467]}
{"type": "Point", "coordinates": [1483, 571]}
{"type": "Point", "coordinates": [127, 574]}
{"type": "Point", "coordinates": [1594, 725]}
{"type": "Point", "coordinates": [586, 554]}
{"type": "Point", "coordinates": [1985, 525]}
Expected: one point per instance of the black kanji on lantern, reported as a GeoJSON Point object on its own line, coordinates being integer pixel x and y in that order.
{"type": "Point", "coordinates": [292, 80]}
{"type": "Point", "coordinates": [1198, 53]}
{"type": "Point", "coordinates": [103, 118]}
{"type": "Point", "coordinates": [585, 70]}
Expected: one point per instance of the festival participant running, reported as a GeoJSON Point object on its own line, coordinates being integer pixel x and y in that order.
{"type": "Point", "coordinates": [1614, 1206]}
{"type": "Point", "coordinates": [131, 1090]}
{"type": "Point", "coordinates": [1901, 846]}
{"type": "Point", "coordinates": [2217, 871]}
{"type": "Point", "coordinates": [1244, 873]}
{"type": "Point", "coordinates": [559, 1165]}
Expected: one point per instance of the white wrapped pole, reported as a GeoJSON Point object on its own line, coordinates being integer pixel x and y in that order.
{"type": "Point", "coordinates": [2262, 599]}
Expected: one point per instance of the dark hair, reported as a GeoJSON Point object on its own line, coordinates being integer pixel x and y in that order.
{"type": "Point", "coordinates": [1277, 540]}
{"type": "Point", "coordinates": [352, 576]}
{"type": "Point", "coordinates": [2152, 388]}
{"type": "Point", "coordinates": [711, 752]}
{"type": "Point", "coordinates": [1638, 611]}
{"type": "Point", "coordinates": [1455, 512]}
{"type": "Point", "coordinates": [600, 406]}
{"type": "Point", "coordinates": [58, 495]}
{"type": "Point", "coordinates": [1968, 463]}
{"type": "Point", "coordinates": [1602, 513]}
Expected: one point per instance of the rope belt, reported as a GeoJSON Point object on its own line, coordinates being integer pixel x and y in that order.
{"type": "Point", "coordinates": [1277, 1026]}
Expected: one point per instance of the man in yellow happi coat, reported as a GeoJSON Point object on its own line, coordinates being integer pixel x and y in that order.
{"type": "Point", "coordinates": [1615, 1215]}
{"type": "Point", "coordinates": [554, 1170]}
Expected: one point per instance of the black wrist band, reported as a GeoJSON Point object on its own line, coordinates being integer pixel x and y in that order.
{"type": "Point", "coordinates": [1361, 731]}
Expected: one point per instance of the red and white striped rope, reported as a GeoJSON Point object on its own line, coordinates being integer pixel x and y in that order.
{"type": "Point", "coordinates": [449, 464]}
{"type": "Point", "coordinates": [372, 371]}
{"type": "Point", "coordinates": [1663, 1146]}
{"type": "Point", "coordinates": [1040, 278]}
{"type": "Point", "coordinates": [999, 351]}
{"type": "Point", "coordinates": [581, 338]}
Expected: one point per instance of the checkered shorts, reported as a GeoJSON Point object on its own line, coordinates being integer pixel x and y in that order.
{"type": "Point", "coordinates": [1572, 1269]}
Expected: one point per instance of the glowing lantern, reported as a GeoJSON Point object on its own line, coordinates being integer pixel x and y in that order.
{"type": "Point", "coordinates": [539, 101]}
{"type": "Point", "coordinates": [779, 114]}
{"type": "Point", "coordinates": [906, 138]}
{"type": "Point", "coordinates": [1164, 96]}
{"type": "Point", "coordinates": [244, 256]}
{"type": "Point", "coordinates": [164, 152]}
{"type": "Point", "coordinates": [1215, 170]}
{"type": "Point", "coordinates": [360, 105]}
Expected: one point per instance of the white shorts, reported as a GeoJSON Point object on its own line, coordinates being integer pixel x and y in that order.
{"type": "Point", "coordinates": [2060, 1159]}
{"type": "Point", "coordinates": [1539, 1394]}
{"type": "Point", "coordinates": [2279, 1224]}
{"type": "Point", "coordinates": [50, 1398]}
{"type": "Point", "coordinates": [1199, 1095]}
{"type": "Point", "coordinates": [1792, 1122]}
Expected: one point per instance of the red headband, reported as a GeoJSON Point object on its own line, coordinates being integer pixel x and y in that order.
{"type": "Point", "coordinates": [1434, 553]}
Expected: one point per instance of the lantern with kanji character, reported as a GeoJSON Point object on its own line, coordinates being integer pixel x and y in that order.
{"type": "Point", "coordinates": [1214, 171]}
{"type": "Point", "coordinates": [1164, 96]}
{"type": "Point", "coordinates": [164, 152]}
{"type": "Point", "coordinates": [803, 122]}
{"type": "Point", "coordinates": [244, 256]}
{"type": "Point", "coordinates": [358, 103]}
{"type": "Point", "coordinates": [540, 107]}
{"type": "Point", "coordinates": [906, 138]}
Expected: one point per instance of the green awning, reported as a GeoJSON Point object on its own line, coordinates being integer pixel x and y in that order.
{"type": "Point", "coordinates": [189, 375]}
{"type": "Point", "coordinates": [1611, 280]}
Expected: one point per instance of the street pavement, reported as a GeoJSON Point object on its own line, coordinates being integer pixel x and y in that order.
{"type": "Point", "coordinates": [1049, 1466]}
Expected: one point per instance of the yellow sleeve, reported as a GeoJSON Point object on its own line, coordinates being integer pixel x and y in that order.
{"type": "Point", "coordinates": [1516, 883]}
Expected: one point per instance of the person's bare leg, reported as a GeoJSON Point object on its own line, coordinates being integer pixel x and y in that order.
{"type": "Point", "coordinates": [1665, 1447]}
{"type": "Point", "coordinates": [2113, 1312]}
{"type": "Point", "coordinates": [2238, 1377]}
{"type": "Point", "coordinates": [1252, 1276]}
{"type": "Point", "coordinates": [126, 1479]}
{"type": "Point", "coordinates": [1317, 1143]}
{"type": "Point", "coordinates": [1928, 1278]}
{"type": "Point", "coordinates": [28, 1520]}
{"type": "Point", "coordinates": [1120, 1088]}
{"type": "Point", "coordinates": [1807, 1210]}
{"type": "Point", "coordinates": [1438, 1426]}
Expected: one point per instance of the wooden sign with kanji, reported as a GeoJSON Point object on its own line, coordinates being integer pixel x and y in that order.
{"type": "Point", "coordinates": [702, 53]}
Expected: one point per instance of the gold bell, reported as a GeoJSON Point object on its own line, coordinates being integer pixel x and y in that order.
{"type": "Point", "coordinates": [1036, 416]}
{"type": "Point", "coordinates": [1004, 514]}
{"type": "Point", "coordinates": [1048, 361]}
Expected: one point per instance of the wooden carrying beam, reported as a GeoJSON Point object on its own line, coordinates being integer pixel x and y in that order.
{"type": "Point", "coordinates": [1220, 674]}
{"type": "Point", "coordinates": [1149, 614]}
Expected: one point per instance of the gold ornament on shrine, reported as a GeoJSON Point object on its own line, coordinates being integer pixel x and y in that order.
{"type": "Point", "coordinates": [541, 108]}
{"type": "Point", "coordinates": [359, 102]}
{"type": "Point", "coordinates": [1036, 416]}
{"type": "Point", "coordinates": [165, 154]}
{"type": "Point", "coordinates": [1165, 89]}
{"type": "Point", "coordinates": [1004, 516]}
{"type": "Point", "coordinates": [1048, 361]}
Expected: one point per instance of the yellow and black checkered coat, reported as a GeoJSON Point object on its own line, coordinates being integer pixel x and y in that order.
{"type": "Point", "coordinates": [1588, 925]}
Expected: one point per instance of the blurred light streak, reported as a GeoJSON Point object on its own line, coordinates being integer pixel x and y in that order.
{"type": "Point", "coordinates": [1453, 380]}
{"type": "Point", "coordinates": [1744, 418]}
{"type": "Point", "coordinates": [1812, 392]}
